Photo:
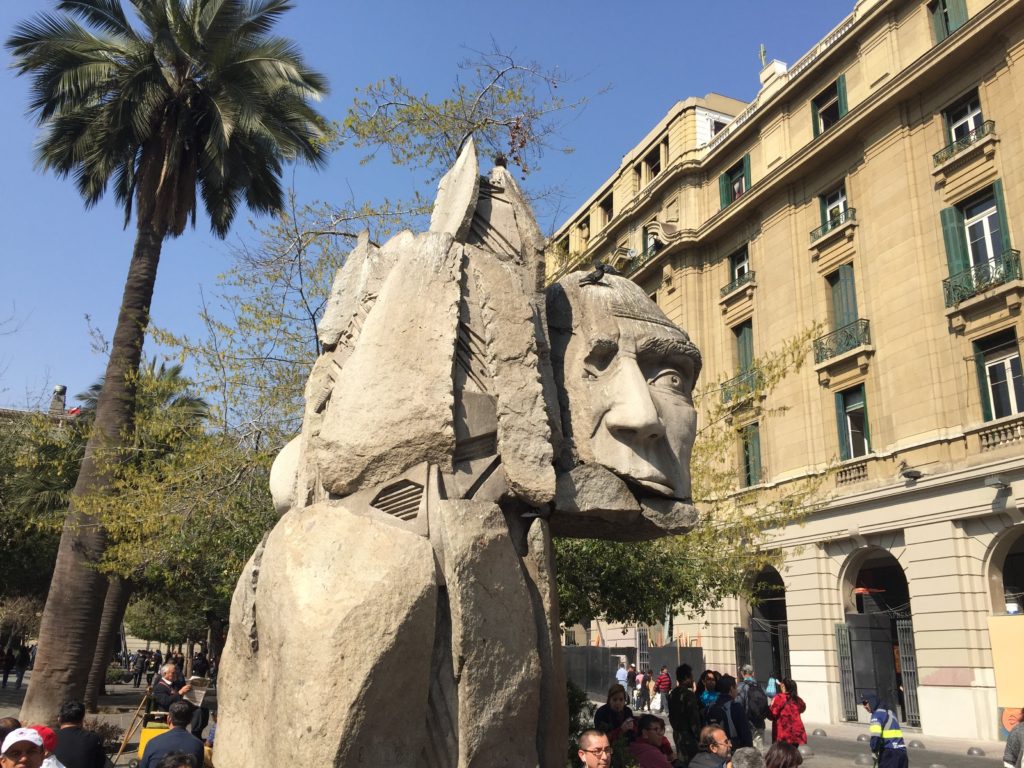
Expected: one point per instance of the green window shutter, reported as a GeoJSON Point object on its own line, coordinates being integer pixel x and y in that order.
{"type": "Point", "coordinates": [841, 93]}
{"type": "Point", "coordinates": [979, 366]}
{"type": "Point", "coordinates": [844, 436]}
{"type": "Point", "coordinates": [957, 14]}
{"type": "Point", "coordinates": [752, 446]}
{"type": "Point", "coordinates": [745, 346]}
{"type": "Point", "coordinates": [824, 210]}
{"type": "Point", "coordinates": [955, 238]}
{"type": "Point", "coordinates": [815, 128]}
{"type": "Point", "coordinates": [844, 296]}
{"type": "Point", "coordinates": [938, 28]}
{"type": "Point", "coordinates": [746, 173]}
{"type": "Point", "coordinates": [997, 192]}
{"type": "Point", "coordinates": [724, 191]}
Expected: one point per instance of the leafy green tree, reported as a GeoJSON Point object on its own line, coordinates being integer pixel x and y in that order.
{"type": "Point", "coordinates": [197, 99]}
{"type": "Point", "coordinates": [644, 582]}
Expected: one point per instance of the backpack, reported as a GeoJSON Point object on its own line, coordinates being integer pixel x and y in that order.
{"type": "Point", "coordinates": [719, 714]}
{"type": "Point", "coordinates": [756, 701]}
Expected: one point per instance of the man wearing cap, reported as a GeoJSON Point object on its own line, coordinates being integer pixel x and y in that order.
{"type": "Point", "coordinates": [177, 739]}
{"type": "Point", "coordinates": [23, 747]}
{"type": "Point", "coordinates": [886, 734]}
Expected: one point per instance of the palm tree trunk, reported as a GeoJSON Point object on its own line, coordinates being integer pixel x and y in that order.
{"type": "Point", "coordinates": [119, 592]}
{"type": "Point", "coordinates": [71, 619]}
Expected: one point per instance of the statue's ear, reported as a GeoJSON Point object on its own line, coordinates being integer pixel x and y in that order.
{"type": "Point", "coordinates": [457, 195]}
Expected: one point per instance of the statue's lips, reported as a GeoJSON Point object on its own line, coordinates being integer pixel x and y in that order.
{"type": "Point", "coordinates": [654, 482]}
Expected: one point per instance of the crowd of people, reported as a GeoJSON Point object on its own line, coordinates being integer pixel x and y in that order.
{"type": "Point", "coordinates": [716, 721]}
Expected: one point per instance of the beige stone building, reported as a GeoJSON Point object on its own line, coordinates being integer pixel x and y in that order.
{"type": "Point", "coordinates": [875, 186]}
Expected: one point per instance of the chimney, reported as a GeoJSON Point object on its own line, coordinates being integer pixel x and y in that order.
{"type": "Point", "coordinates": [58, 400]}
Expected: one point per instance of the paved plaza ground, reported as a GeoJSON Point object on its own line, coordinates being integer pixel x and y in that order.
{"type": "Point", "coordinates": [839, 749]}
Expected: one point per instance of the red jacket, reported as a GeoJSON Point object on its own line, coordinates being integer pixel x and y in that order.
{"type": "Point", "coordinates": [663, 683]}
{"type": "Point", "coordinates": [786, 722]}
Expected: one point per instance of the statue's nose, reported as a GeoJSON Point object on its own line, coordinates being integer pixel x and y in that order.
{"type": "Point", "coordinates": [633, 416]}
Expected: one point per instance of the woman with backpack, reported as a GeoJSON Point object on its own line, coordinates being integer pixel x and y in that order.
{"type": "Point", "coordinates": [785, 711]}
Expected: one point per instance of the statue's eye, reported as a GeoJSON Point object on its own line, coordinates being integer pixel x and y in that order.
{"type": "Point", "coordinates": [671, 380]}
{"type": "Point", "coordinates": [600, 357]}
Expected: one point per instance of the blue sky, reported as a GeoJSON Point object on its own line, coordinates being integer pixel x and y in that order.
{"type": "Point", "coordinates": [60, 262]}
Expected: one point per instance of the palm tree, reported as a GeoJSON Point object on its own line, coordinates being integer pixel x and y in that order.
{"type": "Point", "coordinates": [194, 97]}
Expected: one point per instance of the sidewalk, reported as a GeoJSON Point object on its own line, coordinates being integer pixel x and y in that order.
{"type": "Point", "coordinates": [947, 744]}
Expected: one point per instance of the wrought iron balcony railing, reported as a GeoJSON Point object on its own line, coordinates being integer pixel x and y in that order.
{"type": "Point", "coordinates": [963, 143]}
{"type": "Point", "coordinates": [981, 277]}
{"type": "Point", "coordinates": [641, 258]}
{"type": "Point", "coordinates": [850, 214]}
{"type": "Point", "coordinates": [842, 340]}
{"type": "Point", "coordinates": [739, 387]}
{"type": "Point", "coordinates": [746, 277]}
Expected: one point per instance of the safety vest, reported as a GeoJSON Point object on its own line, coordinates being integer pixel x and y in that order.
{"type": "Point", "coordinates": [891, 733]}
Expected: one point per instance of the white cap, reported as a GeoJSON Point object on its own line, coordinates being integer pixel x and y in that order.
{"type": "Point", "coordinates": [21, 734]}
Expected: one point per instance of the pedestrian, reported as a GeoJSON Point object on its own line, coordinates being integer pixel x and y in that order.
{"type": "Point", "coordinates": [621, 675]}
{"type": "Point", "coordinates": [21, 662]}
{"type": "Point", "coordinates": [755, 703]}
{"type": "Point", "coordinates": [662, 687]}
{"type": "Point", "coordinates": [22, 747]}
{"type": "Point", "coordinates": [650, 745]}
{"type": "Point", "coordinates": [708, 692]}
{"type": "Point", "coordinates": [782, 754]}
{"type": "Point", "coordinates": [715, 748]}
{"type": "Point", "coordinates": [886, 734]}
{"type": "Point", "coordinates": [594, 749]}
{"type": "Point", "coordinates": [139, 666]}
{"type": "Point", "coordinates": [785, 711]}
{"type": "Point", "coordinates": [642, 697]}
{"type": "Point", "coordinates": [631, 684]}
{"type": "Point", "coordinates": [747, 757]}
{"type": "Point", "coordinates": [77, 747]}
{"type": "Point", "coordinates": [614, 717]}
{"type": "Point", "coordinates": [177, 739]}
{"type": "Point", "coordinates": [684, 716]}
{"type": "Point", "coordinates": [49, 744]}
{"type": "Point", "coordinates": [728, 714]}
{"type": "Point", "coordinates": [1015, 744]}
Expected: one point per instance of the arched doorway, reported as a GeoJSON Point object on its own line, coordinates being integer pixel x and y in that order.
{"type": "Point", "coordinates": [1006, 573]}
{"type": "Point", "coordinates": [876, 644]}
{"type": "Point", "coordinates": [769, 633]}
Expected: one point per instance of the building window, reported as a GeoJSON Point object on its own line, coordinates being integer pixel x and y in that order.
{"type": "Point", "coordinates": [735, 182]}
{"type": "Point", "coordinates": [976, 233]}
{"type": "Point", "coordinates": [829, 106]}
{"type": "Point", "coordinates": [717, 125]}
{"type": "Point", "coordinates": [963, 118]}
{"type": "Point", "coordinates": [750, 439]}
{"type": "Point", "coordinates": [744, 334]}
{"type": "Point", "coordinates": [739, 264]}
{"type": "Point", "coordinates": [607, 210]}
{"type": "Point", "coordinates": [997, 359]}
{"type": "Point", "coordinates": [652, 164]}
{"type": "Point", "coordinates": [852, 422]}
{"type": "Point", "coordinates": [843, 296]}
{"type": "Point", "coordinates": [833, 206]}
{"type": "Point", "coordinates": [947, 17]}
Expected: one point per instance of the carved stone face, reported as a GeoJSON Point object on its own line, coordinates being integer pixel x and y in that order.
{"type": "Point", "coordinates": [626, 376]}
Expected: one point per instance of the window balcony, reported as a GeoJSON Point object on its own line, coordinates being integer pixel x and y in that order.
{"type": "Point", "coordinates": [635, 263]}
{"type": "Point", "coordinates": [948, 152]}
{"type": "Point", "coordinates": [741, 387]}
{"type": "Point", "coordinates": [847, 216]}
{"type": "Point", "coordinates": [982, 277]}
{"type": "Point", "coordinates": [856, 334]}
{"type": "Point", "coordinates": [746, 277]}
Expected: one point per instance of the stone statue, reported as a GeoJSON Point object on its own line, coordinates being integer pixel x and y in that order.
{"type": "Point", "coordinates": [403, 611]}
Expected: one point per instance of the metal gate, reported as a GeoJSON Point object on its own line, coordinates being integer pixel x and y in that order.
{"type": "Point", "coordinates": [908, 670]}
{"type": "Point", "coordinates": [643, 643]}
{"type": "Point", "coordinates": [846, 685]}
{"type": "Point", "coordinates": [742, 646]}
{"type": "Point", "coordinates": [784, 650]}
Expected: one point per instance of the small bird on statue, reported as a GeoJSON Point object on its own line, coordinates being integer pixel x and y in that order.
{"type": "Point", "coordinates": [600, 270]}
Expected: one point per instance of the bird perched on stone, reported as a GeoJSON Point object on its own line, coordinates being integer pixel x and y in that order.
{"type": "Point", "coordinates": [600, 270]}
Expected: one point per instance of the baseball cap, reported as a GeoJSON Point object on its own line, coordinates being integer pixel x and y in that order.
{"type": "Point", "coordinates": [21, 734]}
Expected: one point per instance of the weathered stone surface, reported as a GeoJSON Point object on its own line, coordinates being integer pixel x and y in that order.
{"type": "Point", "coordinates": [494, 638]}
{"type": "Point", "coordinates": [457, 195]}
{"type": "Point", "coordinates": [590, 490]}
{"type": "Point", "coordinates": [524, 436]}
{"type": "Point", "coordinates": [391, 407]}
{"type": "Point", "coordinates": [283, 473]}
{"type": "Point", "coordinates": [355, 288]}
{"type": "Point", "coordinates": [329, 583]}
